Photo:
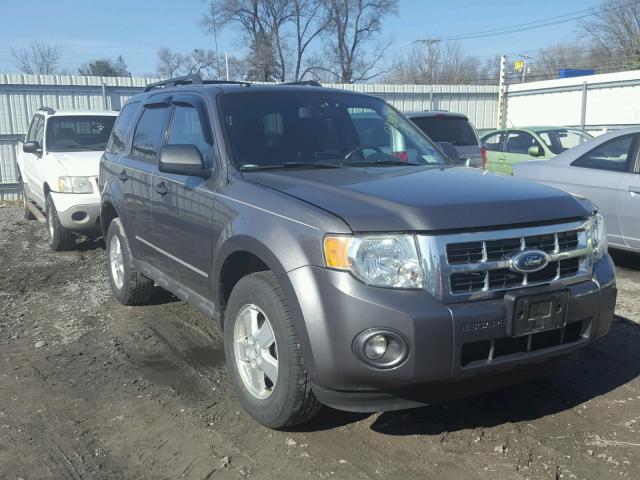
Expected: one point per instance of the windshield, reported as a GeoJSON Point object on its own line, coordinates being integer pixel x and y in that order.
{"type": "Point", "coordinates": [443, 128]}
{"type": "Point", "coordinates": [324, 129]}
{"type": "Point", "coordinates": [77, 133]}
{"type": "Point", "coordinates": [559, 140]}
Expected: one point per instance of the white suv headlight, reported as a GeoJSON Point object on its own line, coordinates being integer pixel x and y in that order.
{"type": "Point", "coordinates": [598, 236]}
{"type": "Point", "coordinates": [75, 184]}
{"type": "Point", "coordinates": [381, 260]}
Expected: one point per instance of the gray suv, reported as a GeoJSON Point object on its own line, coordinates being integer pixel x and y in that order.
{"type": "Point", "coordinates": [343, 270]}
{"type": "Point", "coordinates": [453, 132]}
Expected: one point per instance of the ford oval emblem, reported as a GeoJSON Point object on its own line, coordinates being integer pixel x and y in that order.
{"type": "Point", "coordinates": [529, 261]}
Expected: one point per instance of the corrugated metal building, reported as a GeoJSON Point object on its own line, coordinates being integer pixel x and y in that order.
{"type": "Point", "coordinates": [21, 95]}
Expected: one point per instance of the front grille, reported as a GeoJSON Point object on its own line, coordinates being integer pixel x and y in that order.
{"type": "Point", "coordinates": [484, 265]}
{"type": "Point", "coordinates": [486, 351]}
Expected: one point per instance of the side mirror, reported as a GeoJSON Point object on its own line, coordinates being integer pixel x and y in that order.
{"type": "Point", "coordinates": [450, 151]}
{"type": "Point", "coordinates": [182, 160]}
{"type": "Point", "coordinates": [32, 147]}
{"type": "Point", "coordinates": [536, 151]}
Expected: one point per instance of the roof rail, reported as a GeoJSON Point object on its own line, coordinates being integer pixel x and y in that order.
{"type": "Point", "coordinates": [194, 79]}
{"type": "Point", "coordinates": [49, 110]}
{"type": "Point", "coordinates": [308, 83]}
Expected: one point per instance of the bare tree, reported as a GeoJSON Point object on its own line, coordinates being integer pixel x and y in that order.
{"type": "Point", "coordinates": [352, 25]}
{"type": "Point", "coordinates": [309, 23]}
{"type": "Point", "coordinates": [169, 63]}
{"type": "Point", "coordinates": [261, 22]}
{"type": "Point", "coordinates": [440, 63]}
{"type": "Point", "coordinates": [38, 58]}
{"type": "Point", "coordinates": [549, 60]}
{"type": "Point", "coordinates": [615, 33]}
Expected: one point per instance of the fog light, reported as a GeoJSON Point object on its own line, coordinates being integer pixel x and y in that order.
{"type": "Point", "coordinates": [375, 347]}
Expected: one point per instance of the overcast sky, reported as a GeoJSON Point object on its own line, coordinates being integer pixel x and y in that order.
{"type": "Point", "coordinates": [105, 28]}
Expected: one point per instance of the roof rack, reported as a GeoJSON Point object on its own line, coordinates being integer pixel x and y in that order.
{"type": "Point", "coordinates": [308, 83]}
{"type": "Point", "coordinates": [193, 79]}
{"type": "Point", "coordinates": [49, 110]}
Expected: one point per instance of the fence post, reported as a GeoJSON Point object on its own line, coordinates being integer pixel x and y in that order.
{"type": "Point", "coordinates": [583, 110]}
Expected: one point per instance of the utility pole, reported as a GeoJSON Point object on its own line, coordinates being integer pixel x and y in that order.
{"type": "Point", "coordinates": [524, 58]}
{"type": "Point", "coordinates": [430, 42]}
{"type": "Point", "coordinates": [502, 90]}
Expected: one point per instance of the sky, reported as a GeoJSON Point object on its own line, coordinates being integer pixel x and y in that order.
{"type": "Point", "coordinates": [88, 29]}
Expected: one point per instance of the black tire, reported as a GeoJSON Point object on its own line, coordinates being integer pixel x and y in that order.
{"type": "Point", "coordinates": [27, 214]}
{"type": "Point", "coordinates": [135, 288]}
{"type": "Point", "coordinates": [292, 400]}
{"type": "Point", "coordinates": [59, 237]}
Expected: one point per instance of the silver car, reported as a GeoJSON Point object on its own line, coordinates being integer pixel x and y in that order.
{"type": "Point", "coordinates": [605, 170]}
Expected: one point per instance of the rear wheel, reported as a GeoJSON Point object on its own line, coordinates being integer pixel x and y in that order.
{"type": "Point", "coordinates": [263, 354]}
{"type": "Point", "coordinates": [59, 237]}
{"type": "Point", "coordinates": [127, 285]}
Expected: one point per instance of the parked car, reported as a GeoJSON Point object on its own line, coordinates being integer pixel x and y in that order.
{"type": "Point", "coordinates": [505, 148]}
{"type": "Point", "coordinates": [607, 171]}
{"type": "Point", "coordinates": [448, 128]}
{"type": "Point", "coordinates": [339, 273]}
{"type": "Point", "coordinates": [58, 169]}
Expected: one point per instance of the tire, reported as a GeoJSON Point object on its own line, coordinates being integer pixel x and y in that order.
{"type": "Point", "coordinates": [128, 286]}
{"type": "Point", "coordinates": [288, 400]}
{"type": "Point", "coordinates": [59, 237]}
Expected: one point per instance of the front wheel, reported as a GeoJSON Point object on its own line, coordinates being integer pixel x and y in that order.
{"type": "Point", "coordinates": [263, 354]}
{"type": "Point", "coordinates": [59, 237]}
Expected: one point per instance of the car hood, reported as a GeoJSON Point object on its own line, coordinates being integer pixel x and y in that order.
{"type": "Point", "coordinates": [78, 164]}
{"type": "Point", "coordinates": [422, 199]}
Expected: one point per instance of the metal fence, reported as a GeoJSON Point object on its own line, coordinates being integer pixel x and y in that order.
{"type": "Point", "coordinates": [596, 103]}
{"type": "Point", "coordinates": [21, 95]}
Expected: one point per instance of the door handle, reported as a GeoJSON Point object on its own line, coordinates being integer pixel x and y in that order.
{"type": "Point", "coordinates": [634, 189]}
{"type": "Point", "coordinates": [161, 189]}
{"type": "Point", "coordinates": [123, 176]}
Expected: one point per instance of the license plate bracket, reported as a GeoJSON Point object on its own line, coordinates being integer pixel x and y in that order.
{"type": "Point", "coordinates": [534, 312]}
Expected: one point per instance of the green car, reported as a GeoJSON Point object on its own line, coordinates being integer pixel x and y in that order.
{"type": "Point", "coordinates": [501, 149]}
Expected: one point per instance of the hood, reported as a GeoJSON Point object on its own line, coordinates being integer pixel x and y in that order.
{"type": "Point", "coordinates": [381, 199]}
{"type": "Point", "coordinates": [78, 164]}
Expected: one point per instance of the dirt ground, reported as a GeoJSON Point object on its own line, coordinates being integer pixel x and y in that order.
{"type": "Point", "coordinates": [92, 389]}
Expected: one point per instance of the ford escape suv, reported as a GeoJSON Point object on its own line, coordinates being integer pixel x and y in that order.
{"type": "Point", "coordinates": [362, 277]}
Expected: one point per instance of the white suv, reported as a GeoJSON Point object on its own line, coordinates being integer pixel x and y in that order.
{"type": "Point", "coordinates": [58, 168]}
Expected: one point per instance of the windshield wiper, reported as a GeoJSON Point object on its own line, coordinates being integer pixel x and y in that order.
{"type": "Point", "coordinates": [252, 167]}
{"type": "Point", "coordinates": [383, 163]}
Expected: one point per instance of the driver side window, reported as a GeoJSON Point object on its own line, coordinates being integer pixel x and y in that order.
{"type": "Point", "coordinates": [33, 128]}
{"type": "Point", "coordinates": [613, 155]}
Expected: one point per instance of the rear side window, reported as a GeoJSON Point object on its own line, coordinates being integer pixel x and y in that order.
{"type": "Point", "coordinates": [187, 129]}
{"type": "Point", "coordinates": [493, 142]}
{"type": "Point", "coordinates": [148, 135]}
{"type": "Point", "coordinates": [124, 123]}
{"type": "Point", "coordinates": [613, 155]}
{"type": "Point", "coordinates": [455, 130]}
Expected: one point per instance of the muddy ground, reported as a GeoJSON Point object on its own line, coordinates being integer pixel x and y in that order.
{"type": "Point", "coordinates": [92, 389]}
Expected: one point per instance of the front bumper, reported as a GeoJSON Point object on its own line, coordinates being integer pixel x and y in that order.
{"type": "Point", "coordinates": [78, 212]}
{"type": "Point", "coordinates": [446, 342]}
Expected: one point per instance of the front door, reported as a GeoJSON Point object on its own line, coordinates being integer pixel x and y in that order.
{"type": "Point", "coordinates": [182, 206]}
{"type": "Point", "coordinates": [32, 162]}
{"type": "Point", "coordinates": [135, 173]}
{"type": "Point", "coordinates": [516, 149]}
{"type": "Point", "coordinates": [629, 209]}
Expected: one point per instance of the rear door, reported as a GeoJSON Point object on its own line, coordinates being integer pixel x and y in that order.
{"type": "Point", "coordinates": [182, 230]}
{"type": "Point", "coordinates": [600, 175]}
{"type": "Point", "coordinates": [492, 143]}
{"type": "Point", "coordinates": [135, 173]}
{"type": "Point", "coordinates": [629, 205]}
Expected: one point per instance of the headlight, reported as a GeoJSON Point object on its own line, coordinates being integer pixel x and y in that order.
{"type": "Point", "coordinates": [379, 260]}
{"type": "Point", "coordinates": [598, 236]}
{"type": "Point", "coordinates": [74, 184]}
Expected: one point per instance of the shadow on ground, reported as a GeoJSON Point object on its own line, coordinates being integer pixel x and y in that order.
{"type": "Point", "coordinates": [626, 259]}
